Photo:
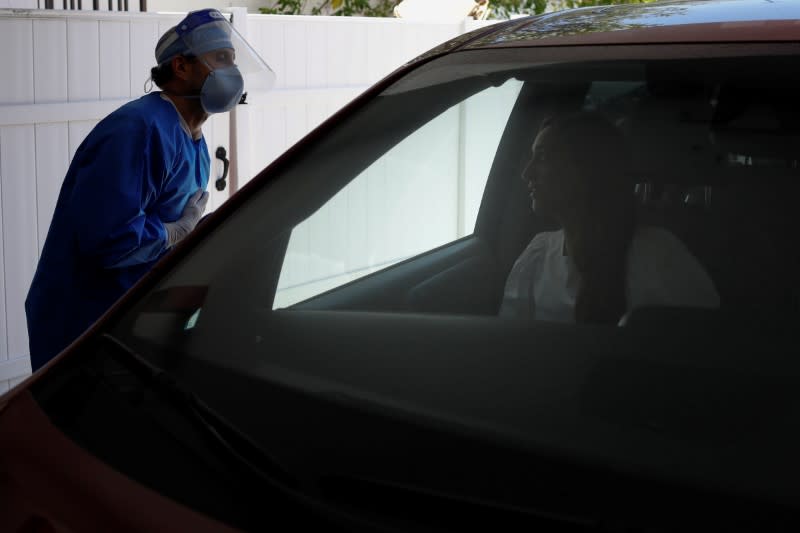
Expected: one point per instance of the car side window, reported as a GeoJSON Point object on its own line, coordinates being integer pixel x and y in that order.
{"type": "Point", "coordinates": [423, 193]}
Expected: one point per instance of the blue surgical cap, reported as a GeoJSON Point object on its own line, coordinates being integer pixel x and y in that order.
{"type": "Point", "coordinates": [199, 32]}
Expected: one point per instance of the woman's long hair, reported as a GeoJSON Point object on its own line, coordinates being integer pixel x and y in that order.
{"type": "Point", "coordinates": [604, 217]}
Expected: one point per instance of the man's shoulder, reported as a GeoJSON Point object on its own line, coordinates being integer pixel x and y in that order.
{"type": "Point", "coordinates": [142, 117]}
{"type": "Point", "coordinates": [146, 109]}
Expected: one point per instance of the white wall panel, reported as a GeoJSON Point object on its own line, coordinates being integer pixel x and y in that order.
{"type": "Point", "coordinates": [335, 103]}
{"type": "Point", "coordinates": [255, 134]}
{"type": "Point", "coordinates": [258, 133]}
{"type": "Point", "coordinates": [296, 123]}
{"type": "Point", "coordinates": [144, 36]}
{"type": "Point", "coordinates": [377, 214]}
{"type": "Point", "coordinates": [338, 234]}
{"type": "Point", "coordinates": [166, 22]}
{"type": "Point", "coordinates": [83, 59]}
{"type": "Point", "coordinates": [438, 193]}
{"type": "Point", "coordinates": [407, 43]}
{"type": "Point", "coordinates": [22, 4]}
{"type": "Point", "coordinates": [16, 39]}
{"type": "Point", "coordinates": [484, 121]}
{"type": "Point", "coordinates": [296, 256]}
{"type": "Point", "coordinates": [269, 40]}
{"type": "Point", "coordinates": [432, 35]}
{"type": "Point", "coordinates": [417, 41]}
{"type": "Point", "coordinates": [319, 52]}
{"type": "Point", "coordinates": [255, 37]}
{"type": "Point", "coordinates": [15, 369]}
{"type": "Point", "coordinates": [21, 115]}
{"type": "Point", "coordinates": [268, 129]}
{"type": "Point", "coordinates": [115, 60]}
{"type": "Point", "coordinates": [404, 204]}
{"type": "Point", "coordinates": [357, 227]}
{"type": "Point", "coordinates": [316, 112]}
{"type": "Point", "coordinates": [50, 60]}
{"type": "Point", "coordinates": [16, 381]}
{"type": "Point", "coordinates": [296, 39]}
{"type": "Point", "coordinates": [18, 173]}
{"type": "Point", "coordinates": [320, 262]}
{"type": "Point", "coordinates": [383, 53]}
{"type": "Point", "coordinates": [347, 54]}
{"type": "Point", "coordinates": [52, 161]}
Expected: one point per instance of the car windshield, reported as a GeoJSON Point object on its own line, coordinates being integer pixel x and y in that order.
{"type": "Point", "coordinates": [555, 247]}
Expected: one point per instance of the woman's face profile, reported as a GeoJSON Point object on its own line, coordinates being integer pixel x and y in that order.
{"type": "Point", "coordinates": [554, 185]}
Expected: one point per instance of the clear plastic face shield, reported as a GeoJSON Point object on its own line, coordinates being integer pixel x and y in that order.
{"type": "Point", "coordinates": [207, 31]}
{"type": "Point", "coordinates": [208, 35]}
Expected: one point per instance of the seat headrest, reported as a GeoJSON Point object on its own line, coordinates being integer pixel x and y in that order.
{"type": "Point", "coordinates": [696, 140]}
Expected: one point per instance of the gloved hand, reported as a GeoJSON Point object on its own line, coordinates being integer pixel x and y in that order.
{"type": "Point", "coordinates": [179, 229]}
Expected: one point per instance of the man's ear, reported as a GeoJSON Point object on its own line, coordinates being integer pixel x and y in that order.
{"type": "Point", "coordinates": [180, 67]}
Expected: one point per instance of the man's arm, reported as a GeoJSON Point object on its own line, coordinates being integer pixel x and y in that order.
{"type": "Point", "coordinates": [195, 206]}
{"type": "Point", "coordinates": [113, 201]}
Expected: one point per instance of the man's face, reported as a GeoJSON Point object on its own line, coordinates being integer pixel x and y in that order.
{"type": "Point", "coordinates": [198, 69]}
{"type": "Point", "coordinates": [221, 58]}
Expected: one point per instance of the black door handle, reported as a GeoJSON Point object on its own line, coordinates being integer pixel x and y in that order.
{"type": "Point", "coordinates": [221, 154]}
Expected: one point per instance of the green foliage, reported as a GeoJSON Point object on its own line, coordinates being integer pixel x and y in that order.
{"type": "Point", "coordinates": [499, 9]}
{"type": "Point", "coordinates": [285, 7]}
{"type": "Point", "coordinates": [363, 8]}
{"type": "Point", "coordinates": [502, 9]}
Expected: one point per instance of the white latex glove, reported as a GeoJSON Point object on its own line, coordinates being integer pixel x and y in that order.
{"type": "Point", "coordinates": [195, 206]}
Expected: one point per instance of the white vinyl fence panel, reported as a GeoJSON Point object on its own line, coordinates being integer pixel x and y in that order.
{"type": "Point", "coordinates": [70, 69]}
{"type": "Point", "coordinates": [321, 64]}
{"type": "Point", "coordinates": [19, 4]}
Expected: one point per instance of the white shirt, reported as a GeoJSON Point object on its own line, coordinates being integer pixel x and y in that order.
{"type": "Point", "coordinates": [661, 271]}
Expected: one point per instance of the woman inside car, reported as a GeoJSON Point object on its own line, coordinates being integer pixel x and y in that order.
{"type": "Point", "coordinates": [601, 263]}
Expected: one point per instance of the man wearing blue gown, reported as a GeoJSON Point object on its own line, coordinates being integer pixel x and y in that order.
{"type": "Point", "coordinates": [135, 187]}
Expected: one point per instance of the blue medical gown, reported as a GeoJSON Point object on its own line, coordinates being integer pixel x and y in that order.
{"type": "Point", "coordinates": [133, 172]}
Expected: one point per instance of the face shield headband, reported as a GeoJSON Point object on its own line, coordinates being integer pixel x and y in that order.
{"type": "Point", "coordinates": [204, 34]}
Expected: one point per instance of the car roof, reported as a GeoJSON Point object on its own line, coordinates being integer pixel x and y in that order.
{"type": "Point", "coordinates": [657, 22]}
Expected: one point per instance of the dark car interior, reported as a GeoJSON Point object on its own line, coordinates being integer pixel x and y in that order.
{"type": "Point", "coordinates": [401, 401]}
{"type": "Point", "coordinates": [715, 156]}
